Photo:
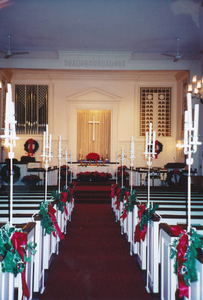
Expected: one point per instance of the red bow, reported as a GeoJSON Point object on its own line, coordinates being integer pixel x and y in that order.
{"type": "Point", "coordinates": [51, 212]}
{"type": "Point", "coordinates": [156, 146]}
{"type": "Point", "coordinates": [181, 248]}
{"type": "Point", "coordinates": [30, 150]}
{"type": "Point", "coordinates": [64, 196]}
{"type": "Point", "coordinates": [113, 190]}
{"type": "Point", "coordinates": [117, 202]}
{"type": "Point", "coordinates": [19, 239]}
{"type": "Point", "coordinates": [125, 213]}
{"type": "Point", "coordinates": [140, 235]}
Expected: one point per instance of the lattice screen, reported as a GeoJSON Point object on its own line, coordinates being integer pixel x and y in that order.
{"type": "Point", "coordinates": [155, 107]}
{"type": "Point", "coordinates": [31, 105]}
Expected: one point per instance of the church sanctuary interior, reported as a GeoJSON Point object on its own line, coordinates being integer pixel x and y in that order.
{"type": "Point", "coordinates": [101, 149]}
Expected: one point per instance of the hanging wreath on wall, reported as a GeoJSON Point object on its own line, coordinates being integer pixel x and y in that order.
{"type": "Point", "coordinates": [5, 173]}
{"type": "Point", "coordinates": [158, 148]}
{"type": "Point", "coordinates": [28, 146]}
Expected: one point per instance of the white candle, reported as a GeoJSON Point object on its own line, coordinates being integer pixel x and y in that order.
{"type": "Point", "coordinates": [146, 142]}
{"type": "Point", "coordinates": [44, 143]}
{"type": "Point", "coordinates": [132, 147]}
{"type": "Point", "coordinates": [46, 136]}
{"type": "Point", "coordinates": [196, 123]}
{"type": "Point", "coordinates": [185, 131]}
{"type": "Point", "coordinates": [150, 132]}
{"type": "Point", "coordinates": [189, 108]}
{"type": "Point", "coordinates": [154, 136]}
{"type": "Point", "coordinates": [50, 146]}
{"type": "Point", "coordinates": [59, 144]}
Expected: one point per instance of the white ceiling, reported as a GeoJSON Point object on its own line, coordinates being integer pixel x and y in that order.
{"type": "Point", "coordinates": [144, 27]}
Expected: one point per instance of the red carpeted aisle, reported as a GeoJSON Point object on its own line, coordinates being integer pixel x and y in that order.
{"type": "Point", "coordinates": [94, 261]}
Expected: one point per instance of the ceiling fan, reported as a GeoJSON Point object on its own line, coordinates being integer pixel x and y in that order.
{"type": "Point", "coordinates": [177, 56]}
{"type": "Point", "coordinates": [8, 53]}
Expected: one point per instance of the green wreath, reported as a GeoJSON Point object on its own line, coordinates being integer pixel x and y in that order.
{"type": "Point", "coordinates": [35, 148]}
{"type": "Point", "coordinates": [5, 173]}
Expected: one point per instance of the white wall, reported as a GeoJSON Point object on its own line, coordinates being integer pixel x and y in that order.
{"type": "Point", "coordinates": [118, 75]}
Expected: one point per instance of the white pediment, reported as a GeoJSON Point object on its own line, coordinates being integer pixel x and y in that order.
{"type": "Point", "coordinates": [94, 94]}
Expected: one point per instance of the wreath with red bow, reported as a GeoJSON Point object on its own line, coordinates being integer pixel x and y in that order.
{"type": "Point", "coordinates": [31, 146]}
{"type": "Point", "coordinates": [158, 148]}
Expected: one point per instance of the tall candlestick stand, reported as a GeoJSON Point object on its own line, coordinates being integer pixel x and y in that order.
{"type": "Point", "coordinates": [190, 145]}
{"type": "Point", "coordinates": [71, 162]}
{"type": "Point", "coordinates": [132, 156]}
{"type": "Point", "coordinates": [122, 160]}
{"type": "Point", "coordinates": [46, 156]}
{"type": "Point", "coordinates": [59, 157]}
{"type": "Point", "coordinates": [149, 155]}
{"type": "Point", "coordinates": [10, 140]}
{"type": "Point", "coordinates": [66, 160]}
{"type": "Point", "coordinates": [116, 167]}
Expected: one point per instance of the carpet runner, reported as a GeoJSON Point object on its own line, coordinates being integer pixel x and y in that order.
{"type": "Point", "coordinates": [93, 192]}
{"type": "Point", "coordinates": [94, 261]}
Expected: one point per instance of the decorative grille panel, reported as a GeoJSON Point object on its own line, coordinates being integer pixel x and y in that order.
{"type": "Point", "coordinates": [31, 102]}
{"type": "Point", "coordinates": [155, 107]}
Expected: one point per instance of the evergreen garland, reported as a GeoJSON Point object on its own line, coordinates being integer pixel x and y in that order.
{"type": "Point", "coordinates": [11, 260]}
{"type": "Point", "coordinates": [57, 197]}
{"type": "Point", "coordinates": [131, 201]}
{"type": "Point", "coordinates": [46, 221]}
{"type": "Point", "coordinates": [188, 270]}
{"type": "Point", "coordinates": [122, 194]}
{"type": "Point", "coordinates": [147, 215]}
{"type": "Point", "coordinates": [70, 186]}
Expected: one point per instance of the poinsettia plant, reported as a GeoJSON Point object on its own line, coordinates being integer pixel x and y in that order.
{"type": "Point", "coordinates": [31, 179]}
{"type": "Point", "coordinates": [93, 176]}
{"type": "Point", "coordinates": [93, 156]}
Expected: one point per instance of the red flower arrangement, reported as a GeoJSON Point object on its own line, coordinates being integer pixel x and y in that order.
{"type": "Point", "coordinates": [63, 174]}
{"type": "Point", "coordinates": [31, 179]}
{"type": "Point", "coordinates": [93, 156]}
{"type": "Point", "coordinates": [93, 176]}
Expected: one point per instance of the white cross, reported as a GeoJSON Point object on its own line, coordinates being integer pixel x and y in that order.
{"type": "Point", "coordinates": [93, 123]}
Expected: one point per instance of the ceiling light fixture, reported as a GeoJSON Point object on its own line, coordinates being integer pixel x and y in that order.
{"type": "Point", "coordinates": [196, 88]}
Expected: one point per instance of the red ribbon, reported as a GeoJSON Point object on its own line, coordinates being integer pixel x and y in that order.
{"type": "Point", "coordinates": [156, 145]}
{"type": "Point", "coordinates": [113, 189]}
{"type": "Point", "coordinates": [30, 150]}
{"type": "Point", "coordinates": [71, 194]}
{"type": "Point", "coordinates": [125, 213]}
{"type": "Point", "coordinates": [64, 196]}
{"type": "Point", "coordinates": [51, 212]}
{"type": "Point", "coordinates": [181, 248]}
{"type": "Point", "coordinates": [19, 239]}
{"type": "Point", "coordinates": [140, 235]}
{"type": "Point", "coordinates": [117, 202]}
